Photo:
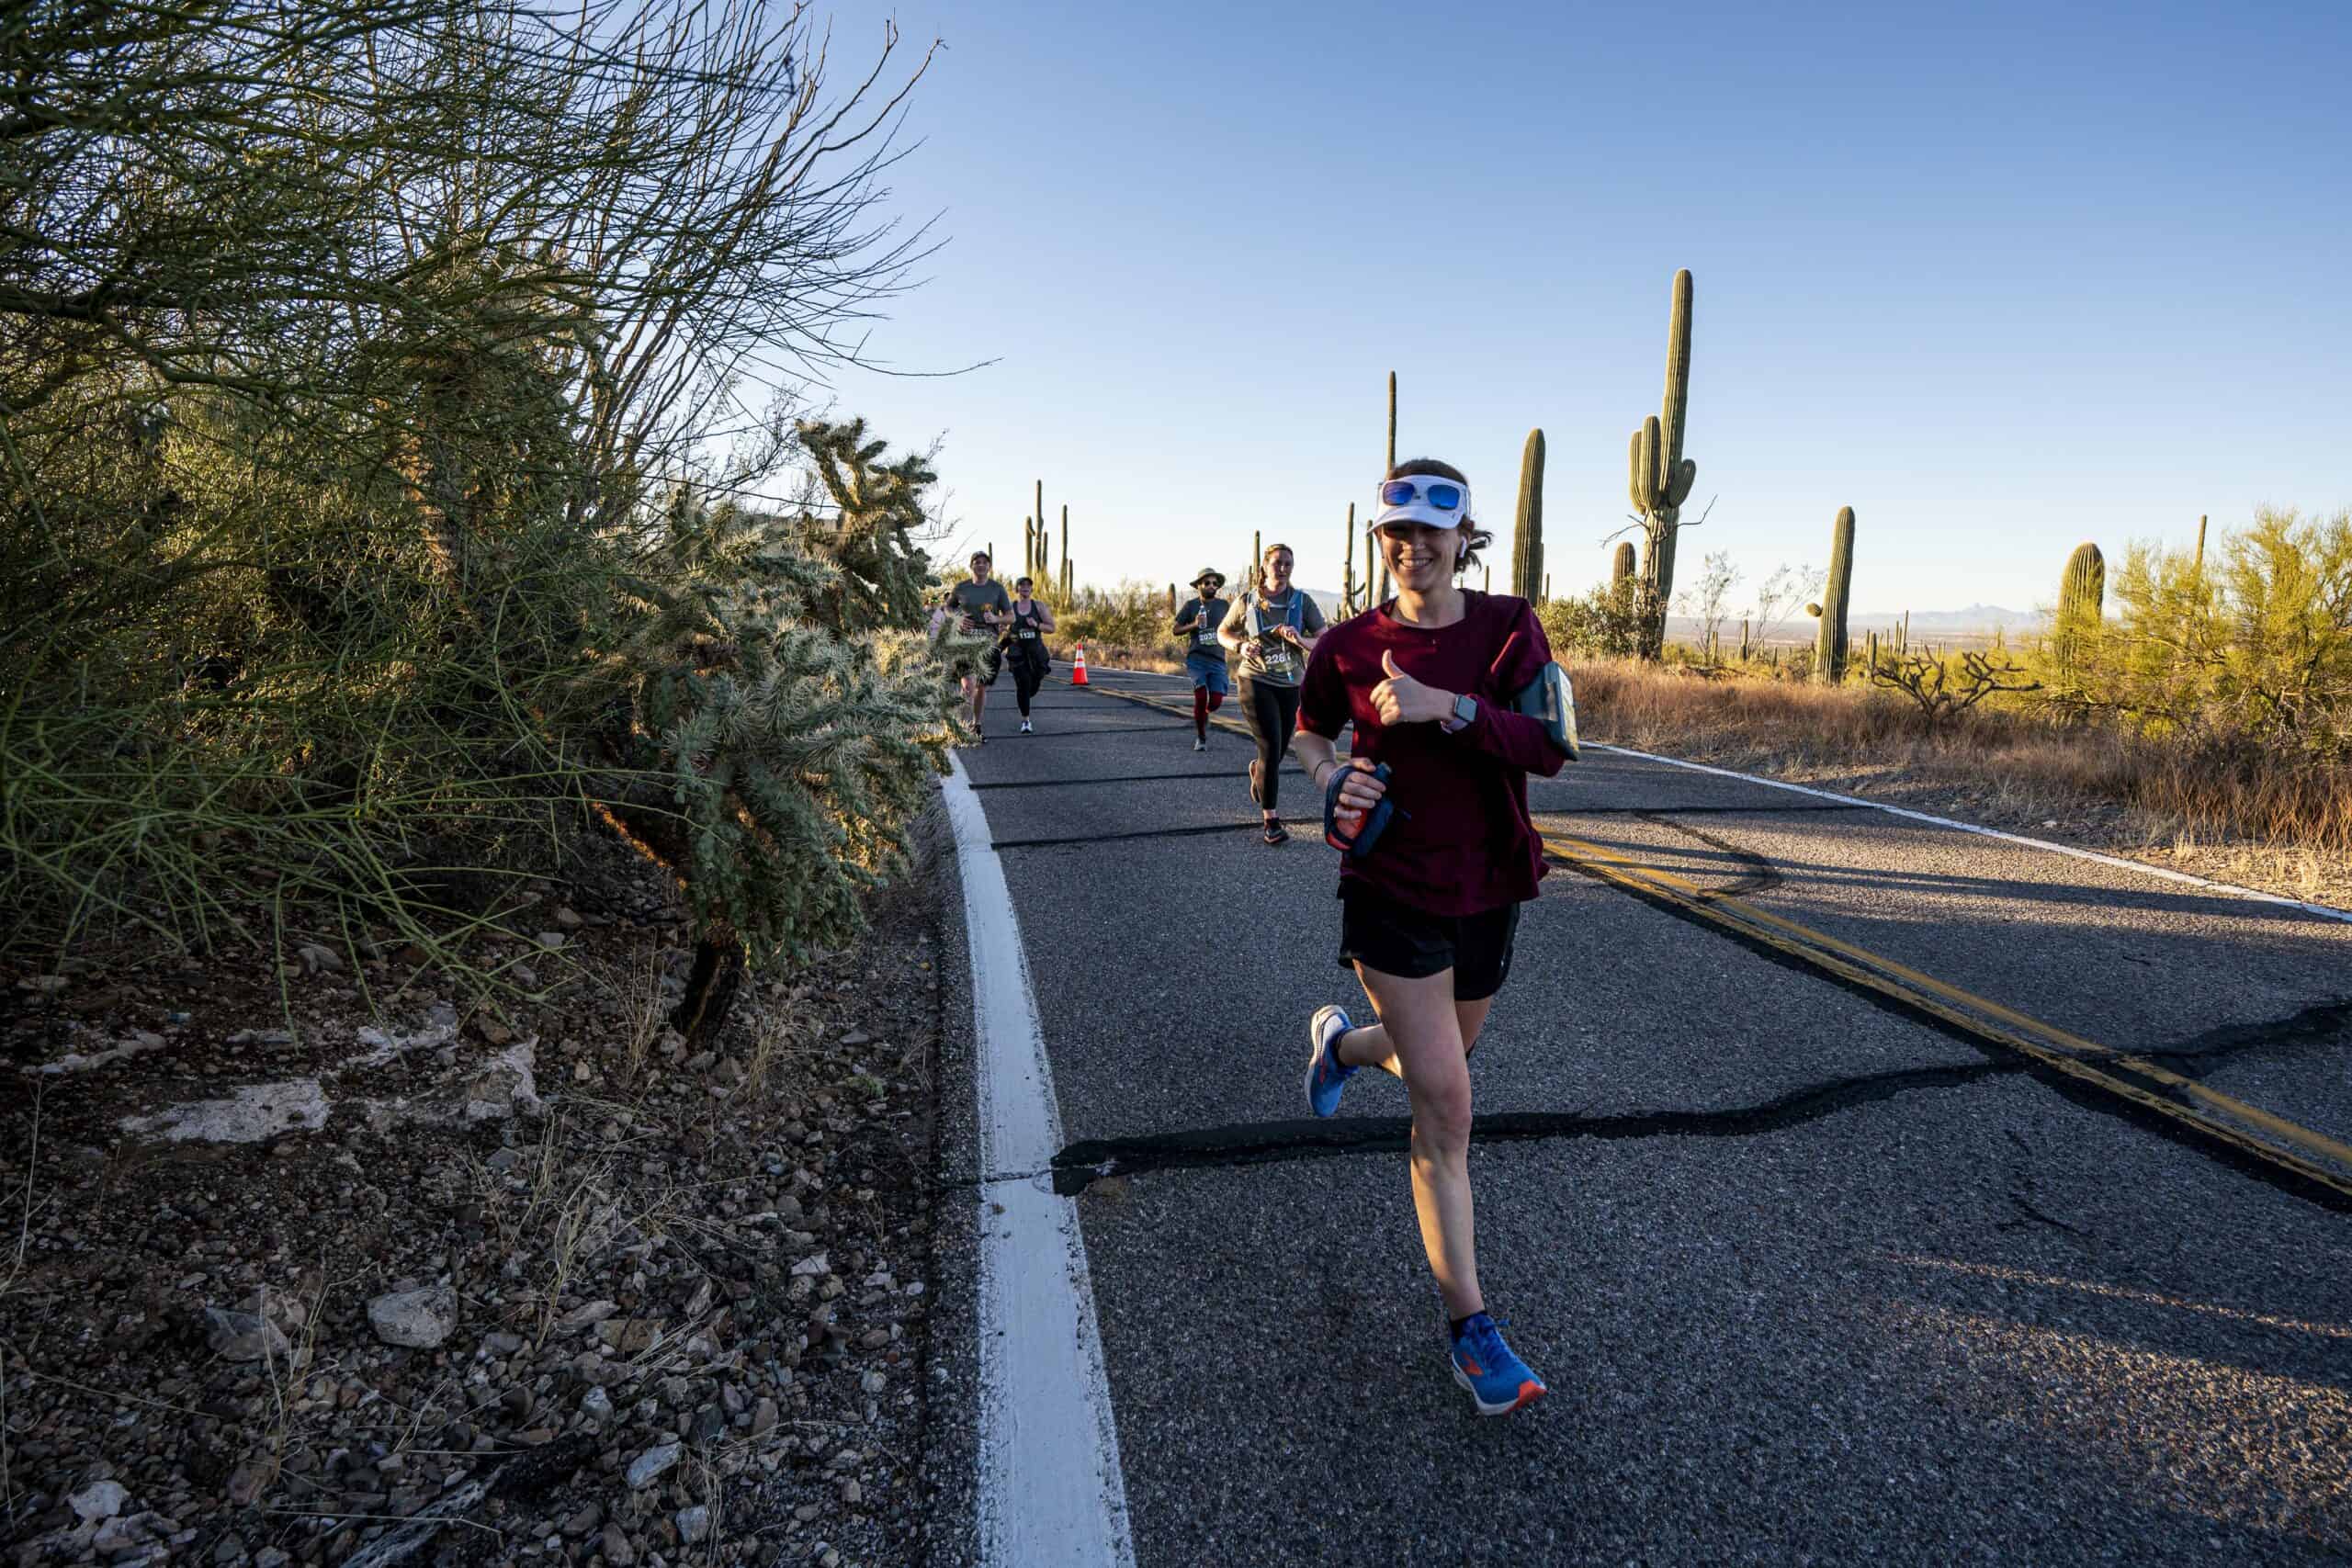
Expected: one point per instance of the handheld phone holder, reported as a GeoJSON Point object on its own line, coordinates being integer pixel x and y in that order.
{"type": "Point", "coordinates": [1369, 826]}
{"type": "Point", "coordinates": [1551, 700]}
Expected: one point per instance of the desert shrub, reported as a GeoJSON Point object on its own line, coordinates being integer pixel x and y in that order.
{"type": "Point", "coordinates": [2251, 650]}
{"type": "Point", "coordinates": [1606, 623]}
{"type": "Point", "coordinates": [2229, 788]}
{"type": "Point", "coordinates": [1132, 615]}
{"type": "Point", "coordinates": [364, 532]}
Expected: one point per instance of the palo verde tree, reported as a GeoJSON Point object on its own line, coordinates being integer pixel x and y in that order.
{"type": "Point", "coordinates": [352, 360]}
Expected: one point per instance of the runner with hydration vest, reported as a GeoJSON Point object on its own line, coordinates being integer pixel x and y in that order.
{"type": "Point", "coordinates": [1274, 628]}
{"type": "Point", "coordinates": [1434, 682]}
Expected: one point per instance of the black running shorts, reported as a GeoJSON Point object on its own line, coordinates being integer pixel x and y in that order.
{"type": "Point", "coordinates": [1396, 938]}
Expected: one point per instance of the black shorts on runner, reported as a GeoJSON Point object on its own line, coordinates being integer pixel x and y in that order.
{"type": "Point", "coordinates": [1396, 938]}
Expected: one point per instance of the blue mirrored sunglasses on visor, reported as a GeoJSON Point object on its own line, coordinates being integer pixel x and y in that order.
{"type": "Point", "coordinates": [1444, 494]}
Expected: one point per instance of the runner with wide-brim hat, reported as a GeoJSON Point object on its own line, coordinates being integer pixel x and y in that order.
{"type": "Point", "coordinates": [1196, 627]}
{"type": "Point", "coordinates": [1429, 913]}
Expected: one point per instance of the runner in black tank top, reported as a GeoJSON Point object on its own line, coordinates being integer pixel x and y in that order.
{"type": "Point", "coordinates": [1024, 648]}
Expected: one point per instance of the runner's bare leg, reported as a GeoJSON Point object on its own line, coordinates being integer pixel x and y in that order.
{"type": "Point", "coordinates": [1368, 1046]}
{"type": "Point", "coordinates": [1420, 1025]}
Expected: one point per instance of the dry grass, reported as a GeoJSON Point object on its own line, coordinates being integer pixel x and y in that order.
{"type": "Point", "coordinates": [1154, 659]}
{"type": "Point", "coordinates": [2283, 802]}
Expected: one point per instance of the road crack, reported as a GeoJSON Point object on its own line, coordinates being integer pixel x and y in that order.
{"type": "Point", "coordinates": [1760, 876]}
{"type": "Point", "coordinates": [1260, 1143]}
{"type": "Point", "coordinates": [2321, 1025]}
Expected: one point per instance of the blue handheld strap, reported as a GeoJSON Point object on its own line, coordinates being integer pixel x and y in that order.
{"type": "Point", "coordinates": [1369, 828]}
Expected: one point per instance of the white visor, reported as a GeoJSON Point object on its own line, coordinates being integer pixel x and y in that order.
{"type": "Point", "coordinates": [1419, 508]}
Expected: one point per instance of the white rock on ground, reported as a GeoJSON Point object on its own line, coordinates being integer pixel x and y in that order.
{"type": "Point", "coordinates": [244, 1336]}
{"type": "Point", "coordinates": [100, 1500]}
{"type": "Point", "coordinates": [255, 1112]}
{"type": "Point", "coordinates": [506, 1085]}
{"type": "Point", "coordinates": [420, 1319]}
{"type": "Point", "coordinates": [694, 1524]}
{"type": "Point", "coordinates": [648, 1467]}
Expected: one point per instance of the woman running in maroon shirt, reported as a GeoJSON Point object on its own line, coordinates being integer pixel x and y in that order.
{"type": "Point", "coordinates": [1427, 916]}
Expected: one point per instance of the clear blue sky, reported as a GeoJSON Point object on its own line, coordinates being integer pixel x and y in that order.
{"type": "Point", "coordinates": [2001, 277]}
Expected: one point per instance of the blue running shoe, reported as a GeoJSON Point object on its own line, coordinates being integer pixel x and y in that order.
{"type": "Point", "coordinates": [1498, 1382]}
{"type": "Point", "coordinates": [1325, 1074]}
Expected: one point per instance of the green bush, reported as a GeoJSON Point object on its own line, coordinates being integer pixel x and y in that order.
{"type": "Point", "coordinates": [2254, 647]}
{"type": "Point", "coordinates": [1132, 615]}
{"type": "Point", "coordinates": [1606, 623]}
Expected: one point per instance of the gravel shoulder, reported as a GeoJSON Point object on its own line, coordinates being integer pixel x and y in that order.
{"type": "Point", "coordinates": [302, 1268]}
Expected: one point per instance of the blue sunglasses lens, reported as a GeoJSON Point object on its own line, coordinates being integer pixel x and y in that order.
{"type": "Point", "coordinates": [1438, 493]}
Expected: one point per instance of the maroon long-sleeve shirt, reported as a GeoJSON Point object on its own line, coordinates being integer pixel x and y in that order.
{"type": "Point", "coordinates": [1468, 845]}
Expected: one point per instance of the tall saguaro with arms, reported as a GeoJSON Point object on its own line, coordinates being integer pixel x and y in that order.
{"type": "Point", "coordinates": [1660, 477]}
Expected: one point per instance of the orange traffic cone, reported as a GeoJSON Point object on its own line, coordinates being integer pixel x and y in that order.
{"type": "Point", "coordinates": [1077, 667]}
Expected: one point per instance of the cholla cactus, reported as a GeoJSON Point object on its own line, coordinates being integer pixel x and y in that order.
{"type": "Point", "coordinates": [774, 726]}
{"type": "Point", "coordinates": [880, 576]}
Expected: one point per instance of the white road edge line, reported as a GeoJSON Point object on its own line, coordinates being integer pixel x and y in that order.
{"type": "Point", "coordinates": [1051, 1491]}
{"type": "Point", "coordinates": [2325, 911]}
{"type": "Point", "coordinates": [2322, 911]}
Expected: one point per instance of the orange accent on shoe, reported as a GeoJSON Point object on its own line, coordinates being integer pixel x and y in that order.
{"type": "Point", "coordinates": [1473, 1368]}
{"type": "Point", "coordinates": [1529, 1392]}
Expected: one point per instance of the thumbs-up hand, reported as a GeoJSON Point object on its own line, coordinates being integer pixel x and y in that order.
{"type": "Point", "coordinates": [1401, 699]}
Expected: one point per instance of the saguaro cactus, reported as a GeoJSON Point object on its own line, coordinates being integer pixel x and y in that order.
{"type": "Point", "coordinates": [1660, 477]}
{"type": "Point", "coordinates": [1066, 582]}
{"type": "Point", "coordinates": [2082, 602]}
{"type": "Point", "coordinates": [1389, 463]}
{"type": "Point", "coordinates": [1830, 657]}
{"type": "Point", "coordinates": [1621, 565]}
{"type": "Point", "coordinates": [1527, 530]}
{"type": "Point", "coordinates": [1392, 426]}
{"type": "Point", "coordinates": [1347, 564]}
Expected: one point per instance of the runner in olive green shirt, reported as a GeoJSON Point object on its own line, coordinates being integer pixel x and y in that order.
{"type": "Point", "coordinates": [984, 607]}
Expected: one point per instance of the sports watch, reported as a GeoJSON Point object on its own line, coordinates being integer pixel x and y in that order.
{"type": "Point", "coordinates": [1465, 710]}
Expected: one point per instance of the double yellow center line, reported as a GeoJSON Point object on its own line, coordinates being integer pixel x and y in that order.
{"type": "Point", "coordinates": [2208, 1112]}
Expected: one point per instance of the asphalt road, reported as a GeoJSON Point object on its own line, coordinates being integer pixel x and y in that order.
{"type": "Point", "coordinates": [1864, 1189]}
